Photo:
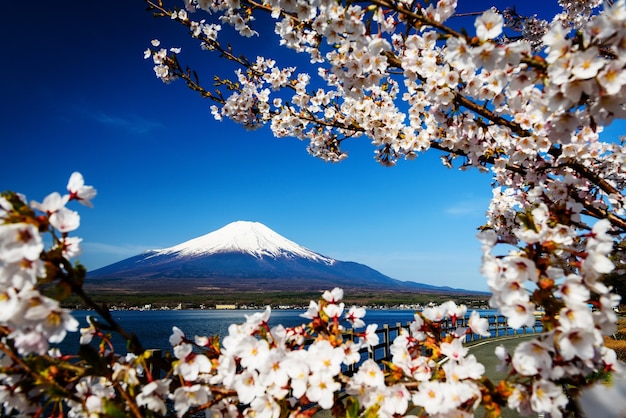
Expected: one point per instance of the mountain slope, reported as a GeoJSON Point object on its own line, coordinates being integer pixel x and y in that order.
{"type": "Point", "coordinates": [241, 256]}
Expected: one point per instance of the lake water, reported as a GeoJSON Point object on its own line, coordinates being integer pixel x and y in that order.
{"type": "Point", "coordinates": [153, 327]}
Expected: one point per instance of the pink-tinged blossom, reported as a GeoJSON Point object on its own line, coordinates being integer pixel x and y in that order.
{"type": "Point", "coordinates": [333, 296]}
{"type": "Point", "coordinates": [351, 352]}
{"type": "Point", "coordinates": [187, 396]}
{"type": "Point", "coordinates": [468, 368]}
{"type": "Point", "coordinates": [19, 241]}
{"type": "Point", "coordinates": [479, 325]}
{"type": "Point", "coordinates": [577, 343]}
{"type": "Point", "coordinates": [153, 394]}
{"type": "Point", "coordinates": [298, 370]}
{"type": "Point", "coordinates": [312, 312]}
{"type": "Point", "coordinates": [370, 338]}
{"type": "Point", "coordinates": [417, 328]}
{"type": "Point", "coordinates": [505, 358]}
{"type": "Point", "coordinates": [29, 341]}
{"type": "Point", "coordinates": [599, 239]}
{"type": "Point", "coordinates": [177, 337]}
{"type": "Point", "coordinates": [324, 358]}
{"type": "Point", "coordinates": [605, 399]}
{"type": "Point", "coordinates": [369, 374]}
{"type": "Point", "coordinates": [489, 25]}
{"type": "Point", "coordinates": [454, 350]}
{"type": "Point", "coordinates": [190, 365]}
{"type": "Point", "coordinates": [333, 310]}
{"type": "Point", "coordinates": [548, 398]}
{"type": "Point", "coordinates": [574, 292]}
{"type": "Point", "coordinates": [51, 203]}
{"type": "Point", "coordinates": [519, 400]}
{"type": "Point", "coordinates": [531, 358]}
{"type": "Point", "coordinates": [248, 386]}
{"type": "Point", "coordinates": [519, 313]}
{"type": "Point", "coordinates": [355, 315]}
{"type": "Point", "coordinates": [257, 319]}
{"type": "Point", "coordinates": [79, 191]}
{"type": "Point", "coordinates": [71, 247]}
{"type": "Point", "coordinates": [433, 396]}
{"type": "Point", "coordinates": [322, 388]}
{"type": "Point", "coordinates": [395, 401]}
{"type": "Point", "coordinates": [454, 311]}
{"type": "Point", "coordinates": [65, 220]}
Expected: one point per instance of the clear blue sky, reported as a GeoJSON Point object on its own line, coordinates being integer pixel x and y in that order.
{"type": "Point", "coordinates": [78, 96]}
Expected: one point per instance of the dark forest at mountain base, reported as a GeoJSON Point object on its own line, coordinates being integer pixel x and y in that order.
{"type": "Point", "coordinates": [208, 300]}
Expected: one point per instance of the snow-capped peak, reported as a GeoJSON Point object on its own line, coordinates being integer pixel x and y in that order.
{"type": "Point", "coordinates": [246, 237]}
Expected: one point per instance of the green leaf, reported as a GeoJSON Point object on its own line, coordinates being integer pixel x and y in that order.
{"type": "Point", "coordinates": [352, 407]}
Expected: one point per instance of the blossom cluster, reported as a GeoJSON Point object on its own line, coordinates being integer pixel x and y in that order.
{"type": "Point", "coordinates": [254, 371]}
{"type": "Point", "coordinates": [267, 371]}
{"type": "Point", "coordinates": [35, 320]}
{"type": "Point", "coordinates": [258, 370]}
{"type": "Point", "coordinates": [572, 346]}
{"type": "Point", "coordinates": [530, 110]}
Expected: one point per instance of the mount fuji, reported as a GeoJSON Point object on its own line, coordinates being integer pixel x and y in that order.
{"type": "Point", "coordinates": [241, 256]}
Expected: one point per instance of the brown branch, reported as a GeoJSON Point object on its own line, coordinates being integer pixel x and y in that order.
{"type": "Point", "coordinates": [129, 401]}
{"type": "Point", "coordinates": [419, 17]}
{"type": "Point", "coordinates": [37, 377]}
{"type": "Point", "coordinates": [135, 345]}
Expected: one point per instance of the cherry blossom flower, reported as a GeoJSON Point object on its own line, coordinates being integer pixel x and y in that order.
{"type": "Point", "coordinates": [187, 396]}
{"type": "Point", "coordinates": [434, 397]}
{"type": "Point", "coordinates": [79, 191]}
{"type": "Point", "coordinates": [355, 315]}
{"type": "Point", "coordinates": [333, 310]}
{"type": "Point", "coordinates": [333, 296]}
{"type": "Point", "coordinates": [489, 25]}
{"type": "Point", "coordinates": [153, 394]}
{"type": "Point", "coordinates": [478, 325]}
{"type": "Point", "coordinates": [177, 337]}
{"type": "Point", "coordinates": [65, 220]}
{"type": "Point", "coordinates": [322, 388]}
{"type": "Point", "coordinates": [531, 358]}
{"type": "Point", "coordinates": [312, 311]}
{"type": "Point", "coordinates": [370, 338]}
{"type": "Point", "coordinates": [454, 349]}
{"type": "Point", "coordinates": [51, 203]}
{"type": "Point", "coordinates": [577, 343]}
{"type": "Point", "coordinates": [19, 241]}
{"type": "Point", "coordinates": [190, 365]}
{"type": "Point", "coordinates": [547, 397]}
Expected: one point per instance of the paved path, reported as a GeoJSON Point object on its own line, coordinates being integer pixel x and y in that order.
{"type": "Point", "coordinates": [484, 352]}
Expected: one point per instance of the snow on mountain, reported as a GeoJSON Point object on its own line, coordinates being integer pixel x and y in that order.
{"type": "Point", "coordinates": [246, 237]}
{"type": "Point", "coordinates": [240, 257]}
